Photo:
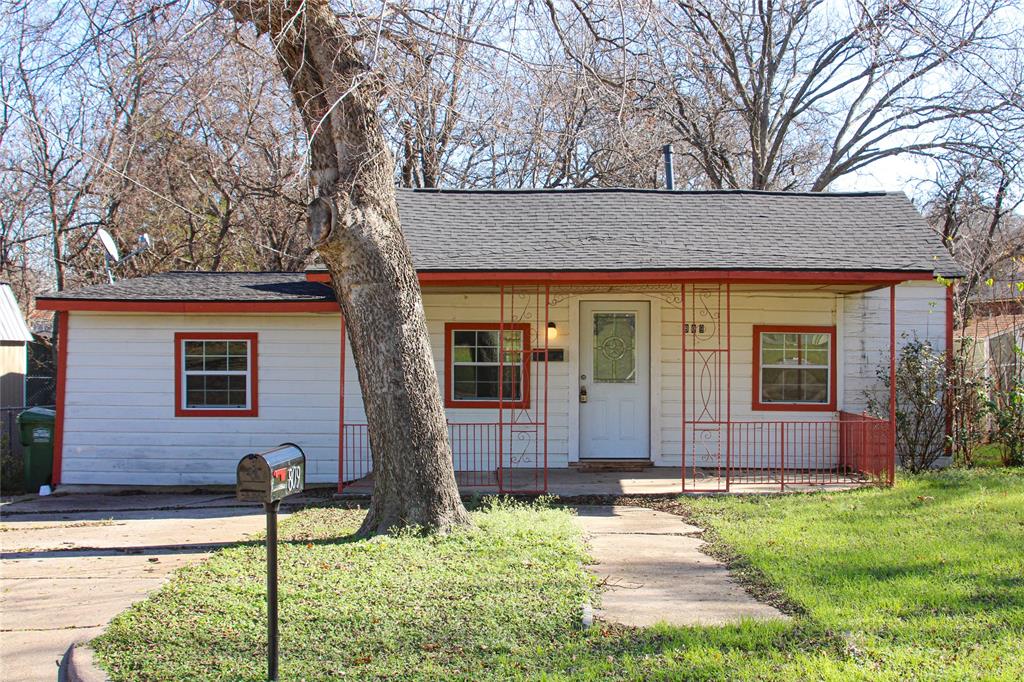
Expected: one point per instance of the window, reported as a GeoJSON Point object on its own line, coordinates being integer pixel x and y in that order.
{"type": "Point", "coordinates": [614, 348]}
{"type": "Point", "coordinates": [794, 368]}
{"type": "Point", "coordinates": [216, 375]}
{"type": "Point", "coordinates": [473, 375]}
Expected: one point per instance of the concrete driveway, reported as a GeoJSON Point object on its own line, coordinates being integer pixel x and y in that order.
{"type": "Point", "coordinates": [68, 564]}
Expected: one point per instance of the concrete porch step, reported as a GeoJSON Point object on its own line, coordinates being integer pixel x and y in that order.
{"type": "Point", "coordinates": [590, 466]}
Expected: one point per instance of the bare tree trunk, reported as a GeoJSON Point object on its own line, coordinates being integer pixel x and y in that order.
{"type": "Point", "coordinates": [355, 225]}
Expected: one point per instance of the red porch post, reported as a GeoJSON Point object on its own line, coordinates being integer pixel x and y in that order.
{"type": "Point", "coordinates": [728, 385]}
{"type": "Point", "coordinates": [544, 331]}
{"type": "Point", "coordinates": [501, 383]}
{"type": "Point", "coordinates": [892, 384]}
{"type": "Point", "coordinates": [341, 412]}
{"type": "Point", "coordinates": [61, 405]}
{"type": "Point", "coordinates": [682, 381]}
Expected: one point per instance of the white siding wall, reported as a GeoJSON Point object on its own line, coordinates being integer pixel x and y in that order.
{"type": "Point", "coordinates": [120, 426]}
{"type": "Point", "coordinates": [920, 310]}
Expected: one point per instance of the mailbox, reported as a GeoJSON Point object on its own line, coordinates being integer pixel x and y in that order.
{"type": "Point", "coordinates": [273, 475]}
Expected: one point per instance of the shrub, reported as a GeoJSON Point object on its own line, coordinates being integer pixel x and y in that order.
{"type": "Point", "coordinates": [1006, 406]}
{"type": "Point", "coordinates": [920, 404]}
{"type": "Point", "coordinates": [967, 400]}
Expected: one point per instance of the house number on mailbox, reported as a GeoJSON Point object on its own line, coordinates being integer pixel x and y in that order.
{"type": "Point", "coordinates": [694, 328]}
{"type": "Point", "coordinates": [292, 477]}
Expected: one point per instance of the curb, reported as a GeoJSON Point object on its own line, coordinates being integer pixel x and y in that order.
{"type": "Point", "coordinates": [77, 665]}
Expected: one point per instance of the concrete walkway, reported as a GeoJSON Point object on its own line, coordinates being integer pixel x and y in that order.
{"type": "Point", "coordinates": [654, 571]}
{"type": "Point", "coordinates": [71, 563]}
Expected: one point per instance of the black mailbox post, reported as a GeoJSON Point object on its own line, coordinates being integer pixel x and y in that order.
{"type": "Point", "coordinates": [269, 477]}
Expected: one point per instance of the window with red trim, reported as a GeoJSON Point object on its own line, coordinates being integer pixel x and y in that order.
{"type": "Point", "coordinates": [216, 374]}
{"type": "Point", "coordinates": [474, 377]}
{"type": "Point", "coordinates": [794, 368]}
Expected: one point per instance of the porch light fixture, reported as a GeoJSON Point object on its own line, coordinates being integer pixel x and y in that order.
{"type": "Point", "coordinates": [552, 331]}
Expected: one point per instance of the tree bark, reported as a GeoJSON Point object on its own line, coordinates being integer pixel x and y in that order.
{"type": "Point", "coordinates": [355, 226]}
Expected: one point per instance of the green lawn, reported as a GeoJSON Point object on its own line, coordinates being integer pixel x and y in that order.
{"type": "Point", "coordinates": [452, 607]}
{"type": "Point", "coordinates": [989, 455]}
{"type": "Point", "coordinates": [923, 581]}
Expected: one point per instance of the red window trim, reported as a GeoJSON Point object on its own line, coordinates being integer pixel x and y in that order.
{"type": "Point", "coordinates": [254, 405]}
{"type": "Point", "coordinates": [449, 387]}
{"type": "Point", "coordinates": [756, 364]}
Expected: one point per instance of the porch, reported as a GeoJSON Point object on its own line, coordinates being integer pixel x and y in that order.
{"type": "Point", "coordinates": [573, 482]}
{"type": "Point", "coordinates": [673, 397]}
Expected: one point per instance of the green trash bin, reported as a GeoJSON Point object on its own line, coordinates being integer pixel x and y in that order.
{"type": "Point", "coordinates": [36, 425]}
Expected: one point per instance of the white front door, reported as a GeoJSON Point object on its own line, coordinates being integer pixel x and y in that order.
{"type": "Point", "coordinates": [615, 379]}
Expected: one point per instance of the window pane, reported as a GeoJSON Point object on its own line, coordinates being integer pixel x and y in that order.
{"type": "Point", "coordinates": [487, 373]}
{"type": "Point", "coordinates": [193, 363]}
{"type": "Point", "coordinates": [462, 354]}
{"type": "Point", "coordinates": [238, 363]}
{"type": "Point", "coordinates": [513, 340]}
{"type": "Point", "coordinates": [195, 382]}
{"type": "Point", "coordinates": [791, 352]}
{"type": "Point", "coordinates": [465, 339]}
{"type": "Point", "coordinates": [216, 398]}
{"type": "Point", "coordinates": [486, 354]}
{"type": "Point", "coordinates": [814, 385]}
{"type": "Point", "coordinates": [615, 348]}
{"type": "Point", "coordinates": [512, 386]}
{"type": "Point", "coordinates": [216, 382]}
{"type": "Point", "coordinates": [771, 357]}
{"type": "Point", "coordinates": [216, 363]}
{"type": "Point", "coordinates": [816, 341]}
{"type": "Point", "coordinates": [513, 357]}
{"type": "Point", "coordinates": [773, 341]}
{"type": "Point", "coordinates": [816, 357]}
{"type": "Point", "coordinates": [216, 347]}
{"type": "Point", "coordinates": [237, 398]}
{"type": "Point", "coordinates": [487, 339]}
{"type": "Point", "coordinates": [238, 348]}
{"type": "Point", "coordinates": [194, 348]}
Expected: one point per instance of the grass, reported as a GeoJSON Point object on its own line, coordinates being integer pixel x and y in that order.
{"type": "Point", "coordinates": [464, 606]}
{"type": "Point", "coordinates": [989, 455]}
{"type": "Point", "coordinates": [922, 581]}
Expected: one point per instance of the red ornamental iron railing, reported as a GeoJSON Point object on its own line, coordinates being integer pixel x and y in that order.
{"type": "Point", "coordinates": [474, 454]}
{"type": "Point", "coordinates": [866, 446]}
{"type": "Point", "coordinates": [854, 448]}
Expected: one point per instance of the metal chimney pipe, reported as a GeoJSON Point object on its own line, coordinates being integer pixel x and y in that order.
{"type": "Point", "coordinates": [669, 171]}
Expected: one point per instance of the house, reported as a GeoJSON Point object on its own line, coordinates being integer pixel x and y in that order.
{"type": "Point", "coordinates": [992, 344]}
{"type": "Point", "coordinates": [728, 334]}
{"type": "Point", "coordinates": [14, 339]}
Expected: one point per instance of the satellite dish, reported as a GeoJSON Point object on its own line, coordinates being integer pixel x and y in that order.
{"type": "Point", "coordinates": [108, 245]}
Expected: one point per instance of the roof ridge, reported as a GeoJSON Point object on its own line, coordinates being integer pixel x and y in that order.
{"type": "Point", "coordinates": [641, 190]}
{"type": "Point", "coordinates": [230, 272]}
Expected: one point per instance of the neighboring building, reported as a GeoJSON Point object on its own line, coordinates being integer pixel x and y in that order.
{"type": "Point", "coordinates": [734, 334]}
{"type": "Point", "coordinates": [993, 344]}
{"type": "Point", "coordinates": [14, 339]}
{"type": "Point", "coordinates": [1003, 296]}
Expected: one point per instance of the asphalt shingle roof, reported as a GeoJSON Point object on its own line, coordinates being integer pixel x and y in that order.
{"type": "Point", "coordinates": [247, 287]}
{"type": "Point", "coordinates": [607, 230]}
